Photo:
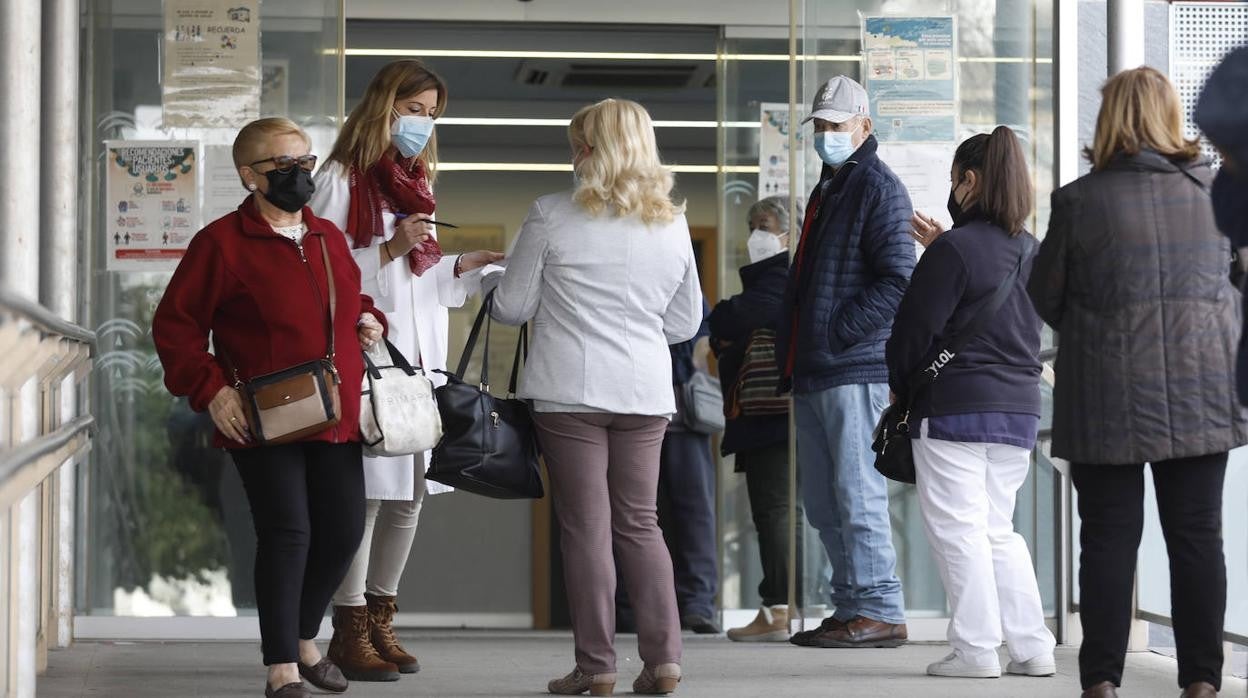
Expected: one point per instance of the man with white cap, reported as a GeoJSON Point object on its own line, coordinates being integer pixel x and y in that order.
{"type": "Point", "coordinates": [851, 267]}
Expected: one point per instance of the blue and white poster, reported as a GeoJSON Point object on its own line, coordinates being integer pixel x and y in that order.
{"type": "Point", "coordinates": [910, 66]}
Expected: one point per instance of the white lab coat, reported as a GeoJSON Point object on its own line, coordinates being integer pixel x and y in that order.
{"type": "Point", "coordinates": [415, 308]}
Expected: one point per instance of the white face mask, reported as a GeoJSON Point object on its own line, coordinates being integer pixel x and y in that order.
{"type": "Point", "coordinates": [763, 245]}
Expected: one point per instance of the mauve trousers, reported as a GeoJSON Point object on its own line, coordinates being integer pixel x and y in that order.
{"type": "Point", "coordinates": [604, 477]}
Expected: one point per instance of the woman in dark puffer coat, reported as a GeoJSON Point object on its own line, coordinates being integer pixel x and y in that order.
{"type": "Point", "coordinates": [1133, 275]}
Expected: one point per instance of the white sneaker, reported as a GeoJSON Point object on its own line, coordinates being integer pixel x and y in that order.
{"type": "Point", "coordinates": [956, 666]}
{"type": "Point", "coordinates": [1044, 665]}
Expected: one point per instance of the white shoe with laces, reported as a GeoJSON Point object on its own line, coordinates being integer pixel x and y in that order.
{"type": "Point", "coordinates": [954, 665]}
{"type": "Point", "coordinates": [1044, 665]}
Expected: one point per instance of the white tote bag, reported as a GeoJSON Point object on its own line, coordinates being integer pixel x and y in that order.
{"type": "Point", "coordinates": [398, 413]}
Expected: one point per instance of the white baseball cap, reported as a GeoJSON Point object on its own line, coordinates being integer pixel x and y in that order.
{"type": "Point", "coordinates": [839, 100]}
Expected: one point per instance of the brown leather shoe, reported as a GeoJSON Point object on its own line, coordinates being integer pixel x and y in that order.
{"type": "Point", "coordinates": [810, 638]}
{"type": "Point", "coordinates": [864, 632]}
{"type": "Point", "coordinates": [325, 676]}
{"type": "Point", "coordinates": [290, 690]}
{"type": "Point", "coordinates": [1200, 689]}
{"type": "Point", "coordinates": [352, 650]}
{"type": "Point", "coordinates": [1104, 689]}
{"type": "Point", "coordinates": [381, 611]}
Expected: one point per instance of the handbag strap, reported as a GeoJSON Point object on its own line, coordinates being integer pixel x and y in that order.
{"type": "Point", "coordinates": [926, 374]}
{"type": "Point", "coordinates": [397, 360]}
{"type": "Point", "coordinates": [522, 346]}
{"type": "Point", "coordinates": [333, 299]}
{"type": "Point", "coordinates": [483, 318]}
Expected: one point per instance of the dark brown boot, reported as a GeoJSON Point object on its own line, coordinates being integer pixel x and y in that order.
{"type": "Point", "coordinates": [381, 611]}
{"type": "Point", "coordinates": [352, 650]}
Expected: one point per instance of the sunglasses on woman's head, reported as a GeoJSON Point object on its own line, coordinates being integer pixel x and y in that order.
{"type": "Point", "coordinates": [283, 163]}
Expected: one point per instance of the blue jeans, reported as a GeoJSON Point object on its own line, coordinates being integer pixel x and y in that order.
{"type": "Point", "coordinates": [846, 500]}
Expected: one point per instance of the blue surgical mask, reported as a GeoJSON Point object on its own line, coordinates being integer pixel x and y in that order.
{"type": "Point", "coordinates": [410, 133]}
{"type": "Point", "coordinates": [834, 147]}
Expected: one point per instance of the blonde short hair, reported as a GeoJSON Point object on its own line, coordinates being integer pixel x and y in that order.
{"type": "Point", "coordinates": [622, 171]}
{"type": "Point", "coordinates": [366, 135]}
{"type": "Point", "coordinates": [252, 142]}
{"type": "Point", "coordinates": [1139, 110]}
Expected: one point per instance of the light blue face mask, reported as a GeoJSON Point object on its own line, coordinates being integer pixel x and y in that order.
{"type": "Point", "coordinates": [834, 147]}
{"type": "Point", "coordinates": [410, 133]}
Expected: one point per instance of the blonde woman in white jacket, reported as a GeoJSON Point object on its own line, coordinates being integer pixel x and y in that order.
{"type": "Point", "coordinates": [607, 275]}
{"type": "Point", "coordinates": [376, 187]}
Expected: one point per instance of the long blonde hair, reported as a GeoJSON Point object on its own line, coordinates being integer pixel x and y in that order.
{"type": "Point", "coordinates": [366, 135]}
{"type": "Point", "coordinates": [1139, 110]}
{"type": "Point", "coordinates": [622, 170]}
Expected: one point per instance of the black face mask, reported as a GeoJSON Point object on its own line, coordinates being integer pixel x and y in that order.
{"type": "Point", "coordinates": [955, 208]}
{"type": "Point", "coordinates": [290, 191]}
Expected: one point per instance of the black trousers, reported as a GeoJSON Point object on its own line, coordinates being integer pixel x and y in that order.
{"type": "Point", "coordinates": [307, 505]}
{"type": "Point", "coordinates": [686, 505]}
{"type": "Point", "coordinates": [767, 483]}
{"type": "Point", "coordinates": [1111, 508]}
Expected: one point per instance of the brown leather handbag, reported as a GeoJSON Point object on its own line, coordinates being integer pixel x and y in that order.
{"type": "Point", "coordinates": [299, 401]}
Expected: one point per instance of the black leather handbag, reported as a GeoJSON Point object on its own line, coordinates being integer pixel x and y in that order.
{"type": "Point", "coordinates": [894, 457]}
{"type": "Point", "coordinates": [489, 444]}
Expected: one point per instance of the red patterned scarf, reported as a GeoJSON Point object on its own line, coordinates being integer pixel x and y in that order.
{"type": "Point", "coordinates": [391, 185]}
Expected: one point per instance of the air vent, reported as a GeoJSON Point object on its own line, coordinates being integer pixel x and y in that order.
{"type": "Point", "coordinates": [628, 75]}
{"type": "Point", "coordinates": [614, 75]}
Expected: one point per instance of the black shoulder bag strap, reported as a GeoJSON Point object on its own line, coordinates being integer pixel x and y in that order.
{"type": "Point", "coordinates": [483, 317]}
{"type": "Point", "coordinates": [926, 374]}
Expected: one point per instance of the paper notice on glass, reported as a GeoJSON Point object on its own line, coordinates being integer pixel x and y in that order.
{"type": "Point", "coordinates": [211, 63]}
{"type": "Point", "coordinates": [223, 191]}
{"type": "Point", "coordinates": [773, 151]}
{"type": "Point", "coordinates": [911, 77]}
{"type": "Point", "coordinates": [924, 169]}
{"type": "Point", "coordinates": [153, 203]}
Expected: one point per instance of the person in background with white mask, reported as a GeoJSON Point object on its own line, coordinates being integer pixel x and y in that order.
{"type": "Point", "coordinates": [743, 335]}
{"type": "Point", "coordinates": [850, 270]}
{"type": "Point", "coordinates": [376, 187]}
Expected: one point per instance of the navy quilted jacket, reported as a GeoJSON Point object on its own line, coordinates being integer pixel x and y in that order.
{"type": "Point", "coordinates": [851, 269]}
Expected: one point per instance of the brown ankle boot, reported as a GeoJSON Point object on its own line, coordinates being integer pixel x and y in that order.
{"type": "Point", "coordinates": [381, 616]}
{"type": "Point", "coordinates": [352, 650]}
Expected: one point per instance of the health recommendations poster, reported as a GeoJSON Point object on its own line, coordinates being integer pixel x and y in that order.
{"type": "Point", "coordinates": [211, 63]}
{"type": "Point", "coordinates": [911, 77]}
{"type": "Point", "coordinates": [153, 203]}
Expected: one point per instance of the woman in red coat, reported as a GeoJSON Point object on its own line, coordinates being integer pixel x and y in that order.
{"type": "Point", "coordinates": [255, 283]}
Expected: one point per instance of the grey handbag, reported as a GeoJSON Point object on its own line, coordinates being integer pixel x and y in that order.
{"type": "Point", "coordinates": [700, 404]}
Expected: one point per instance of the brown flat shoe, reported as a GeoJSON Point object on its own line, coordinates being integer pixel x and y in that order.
{"type": "Point", "coordinates": [810, 638]}
{"type": "Point", "coordinates": [659, 680]}
{"type": "Point", "coordinates": [1104, 689]}
{"type": "Point", "coordinates": [290, 690]}
{"type": "Point", "coordinates": [864, 632]}
{"type": "Point", "coordinates": [325, 675]}
{"type": "Point", "coordinates": [1200, 689]}
{"type": "Point", "coordinates": [579, 682]}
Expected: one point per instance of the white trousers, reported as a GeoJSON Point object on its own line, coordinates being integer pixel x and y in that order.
{"type": "Point", "coordinates": [966, 494]}
{"type": "Point", "coordinates": [389, 529]}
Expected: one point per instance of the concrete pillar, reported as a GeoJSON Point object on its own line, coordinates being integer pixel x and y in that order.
{"type": "Point", "coordinates": [59, 243]}
{"type": "Point", "coordinates": [1125, 25]}
{"type": "Point", "coordinates": [19, 128]}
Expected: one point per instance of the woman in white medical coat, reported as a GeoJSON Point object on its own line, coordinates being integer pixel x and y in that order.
{"type": "Point", "coordinates": [376, 186]}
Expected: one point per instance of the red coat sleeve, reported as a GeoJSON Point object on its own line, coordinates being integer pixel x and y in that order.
{"type": "Point", "coordinates": [183, 321]}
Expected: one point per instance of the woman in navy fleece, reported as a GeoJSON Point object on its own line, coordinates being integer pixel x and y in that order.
{"type": "Point", "coordinates": [979, 419]}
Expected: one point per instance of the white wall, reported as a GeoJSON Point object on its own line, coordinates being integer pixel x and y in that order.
{"type": "Point", "coordinates": [719, 12]}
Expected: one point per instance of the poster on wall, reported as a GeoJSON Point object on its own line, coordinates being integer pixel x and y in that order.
{"type": "Point", "coordinates": [211, 63]}
{"type": "Point", "coordinates": [152, 190]}
{"type": "Point", "coordinates": [910, 71]}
